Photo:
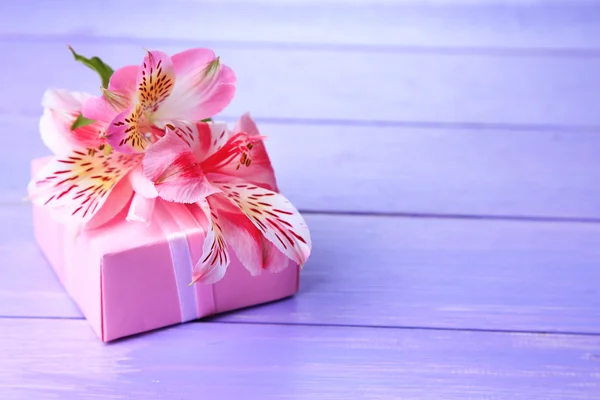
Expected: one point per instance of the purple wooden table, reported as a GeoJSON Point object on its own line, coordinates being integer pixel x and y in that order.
{"type": "Point", "coordinates": [446, 156]}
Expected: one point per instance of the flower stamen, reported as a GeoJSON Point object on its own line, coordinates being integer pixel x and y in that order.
{"type": "Point", "coordinates": [239, 146]}
{"type": "Point", "coordinates": [117, 100]}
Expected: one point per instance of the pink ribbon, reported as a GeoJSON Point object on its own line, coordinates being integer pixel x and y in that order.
{"type": "Point", "coordinates": [174, 220]}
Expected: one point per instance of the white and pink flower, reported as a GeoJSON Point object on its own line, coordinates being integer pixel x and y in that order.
{"type": "Point", "coordinates": [140, 100]}
{"type": "Point", "coordinates": [83, 183]}
{"type": "Point", "coordinates": [229, 175]}
{"type": "Point", "coordinates": [146, 137]}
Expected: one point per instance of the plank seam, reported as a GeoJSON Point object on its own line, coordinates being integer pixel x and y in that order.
{"type": "Point", "coordinates": [214, 320]}
{"type": "Point", "coordinates": [48, 317]}
{"type": "Point", "coordinates": [417, 215]}
{"type": "Point", "coordinates": [408, 327]}
{"type": "Point", "coordinates": [425, 125]}
{"type": "Point", "coordinates": [431, 125]}
{"type": "Point", "coordinates": [485, 51]}
{"type": "Point", "coordinates": [483, 217]}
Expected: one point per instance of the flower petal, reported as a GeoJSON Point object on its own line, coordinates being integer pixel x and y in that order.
{"type": "Point", "coordinates": [240, 234]}
{"type": "Point", "coordinates": [192, 134]}
{"type": "Point", "coordinates": [124, 79]}
{"type": "Point", "coordinates": [141, 184]}
{"type": "Point", "coordinates": [119, 97]}
{"type": "Point", "coordinates": [233, 153]}
{"type": "Point", "coordinates": [188, 61]}
{"type": "Point", "coordinates": [171, 166]}
{"type": "Point", "coordinates": [212, 136]}
{"type": "Point", "coordinates": [106, 107]}
{"type": "Point", "coordinates": [126, 134]}
{"type": "Point", "coordinates": [274, 216]}
{"type": "Point", "coordinates": [203, 138]}
{"type": "Point", "coordinates": [115, 202]}
{"type": "Point", "coordinates": [78, 185]}
{"type": "Point", "coordinates": [260, 172]}
{"type": "Point", "coordinates": [273, 260]}
{"type": "Point", "coordinates": [61, 109]}
{"type": "Point", "coordinates": [64, 100]}
{"type": "Point", "coordinates": [55, 133]}
{"type": "Point", "coordinates": [251, 248]}
{"type": "Point", "coordinates": [203, 88]}
{"type": "Point", "coordinates": [243, 159]}
{"type": "Point", "coordinates": [215, 259]}
{"type": "Point", "coordinates": [218, 95]}
{"type": "Point", "coordinates": [98, 109]}
{"type": "Point", "coordinates": [155, 80]}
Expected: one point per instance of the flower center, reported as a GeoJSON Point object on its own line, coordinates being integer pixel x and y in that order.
{"type": "Point", "coordinates": [238, 148]}
{"type": "Point", "coordinates": [245, 158]}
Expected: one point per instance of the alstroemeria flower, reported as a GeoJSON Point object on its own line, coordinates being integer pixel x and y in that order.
{"type": "Point", "coordinates": [229, 175]}
{"type": "Point", "coordinates": [141, 100]}
{"type": "Point", "coordinates": [83, 183]}
{"type": "Point", "coordinates": [61, 109]}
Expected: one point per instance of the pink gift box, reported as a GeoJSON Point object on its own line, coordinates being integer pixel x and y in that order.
{"type": "Point", "coordinates": [129, 278]}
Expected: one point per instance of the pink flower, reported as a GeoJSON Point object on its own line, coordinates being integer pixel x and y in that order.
{"type": "Point", "coordinates": [83, 183]}
{"type": "Point", "coordinates": [61, 109]}
{"type": "Point", "coordinates": [141, 100]}
{"type": "Point", "coordinates": [229, 175]}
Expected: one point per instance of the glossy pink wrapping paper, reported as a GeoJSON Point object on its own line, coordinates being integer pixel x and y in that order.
{"type": "Point", "coordinates": [122, 276]}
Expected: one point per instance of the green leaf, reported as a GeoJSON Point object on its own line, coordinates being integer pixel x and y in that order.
{"type": "Point", "coordinates": [97, 65]}
{"type": "Point", "coordinates": [206, 120]}
{"type": "Point", "coordinates": [81, 121]}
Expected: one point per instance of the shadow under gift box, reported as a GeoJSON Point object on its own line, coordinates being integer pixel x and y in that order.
{"type": "Point", "coordinates": [123, 279]}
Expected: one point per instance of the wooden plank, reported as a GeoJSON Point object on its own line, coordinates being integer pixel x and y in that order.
{"type": "Point", "coordinates": [302, 84]}
{"type": "Point", "coordinates": [400, 272]}
{"type": "Point", "coordinates": [385, 25]}
{"type": "Point", "coordinates": [446, 273]}
{"type": "Point", "coordinates": [393, 169]}
{"type": "Point", "coordinates": [62, 359]}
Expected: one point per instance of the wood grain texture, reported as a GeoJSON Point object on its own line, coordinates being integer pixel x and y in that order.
{"type": "Point", "coordinates": [221, 361]}
{"type": "Point", "coordinates": [566, 25]}
{"type": "Point", "coordinates": [446, 273]}
{"type": "Point", "coordinates": [302, 84]}
{"type": "Point", "coordinates": [388, 106]}
{"type": "Point", "coordinates": [394, 169]}
{"type": "Point", "coordinates": [398, 272]}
